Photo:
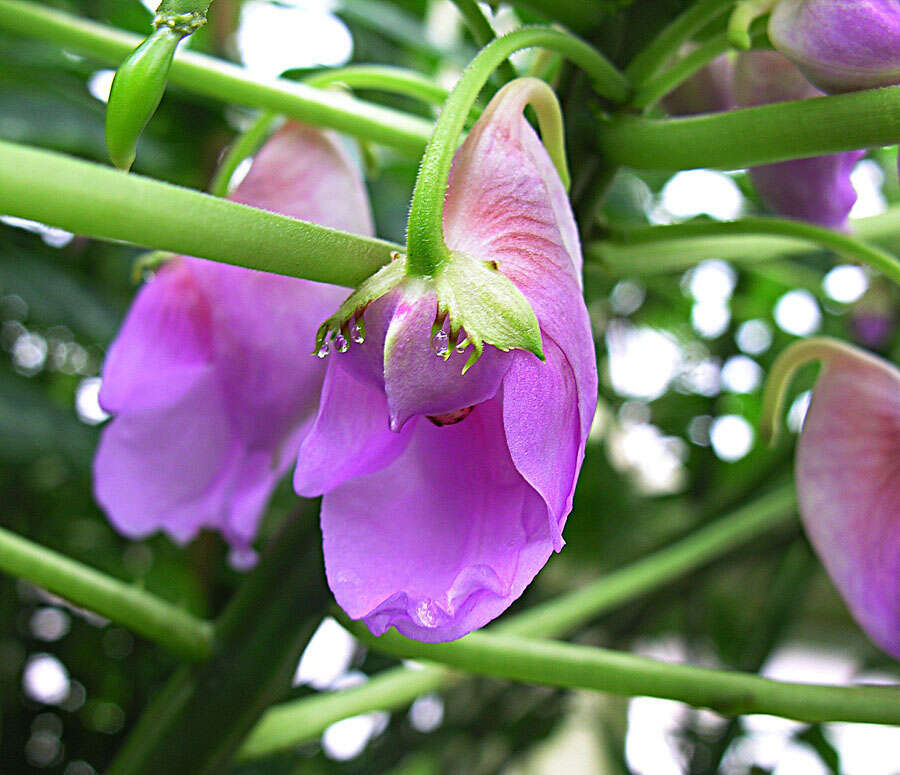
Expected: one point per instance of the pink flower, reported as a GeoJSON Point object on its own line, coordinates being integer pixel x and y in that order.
{"type": "Point", "coordinates": [848, 481]}
{"type": "Point", "coordinates": [817, 189]}
{"type": "Point", "coordinates": [210, 380]}
{"type": "Point", "coordinates": [445, 493]}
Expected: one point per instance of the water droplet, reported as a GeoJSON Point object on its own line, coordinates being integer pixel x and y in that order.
{"type": "Point", "coordinates": [439, 343]}
{"type": "Point", "coordinates": [323, 351]}
{"type": "Point", "coordinates": [340, 343]}
{"type": "Point", "coordinates": [356, 334]}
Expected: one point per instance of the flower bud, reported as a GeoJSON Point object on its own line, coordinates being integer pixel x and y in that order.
{"type": "Point", "coordinates": [709, 90]}
{"type": "Point", "coordinates": [816, 189]}
{"type": "Point", "coordinates": [840, 45]}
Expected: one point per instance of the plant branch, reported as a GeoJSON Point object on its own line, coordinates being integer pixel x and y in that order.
{"type": "Point", "coordinates": [751, 137]}
{"type": "Point", "coordinates": [221, 80]}
{"type": "Point", "coordinates": [97, 201]}
{"type": "Point", "coordinates": [842, 244]}
{"type": "Point", "coordinates": [155, 619]}
{"type": "Point", "coordinates": [295, 722]}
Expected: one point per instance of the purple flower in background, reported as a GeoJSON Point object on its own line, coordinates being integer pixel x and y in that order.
{"type": "Point", "coordinates": [445, 493]}
{"type": "Point", "coordinates": [840, 45]}
{"type": "Point", "coordinates": [210, 380]}
{"type": "Point", "coordinates": [709, 90]}
{"type": "Point", "coordinates": [848, 485]}
{"type": "Point", "coordinates": [817, 189]}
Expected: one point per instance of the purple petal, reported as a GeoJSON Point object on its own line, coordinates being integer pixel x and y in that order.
{"type": "Point", "coordinates": [848, 483]}
{"type": "Point", "coordinates": [709, 90]}
{"type": "Point", "coordinates": [417, 381]}
{"type": "Point", "coordinates": [442, 540]}
{"type": "Point", "coordinates": [506, 203]}
{"type": "Point", "coordinates": [350, 437]}
{"type": "Point", "coordinates": [840, 45]}
{"type": "Point", "coordinates": [210, 380]}
{"type": "Point", "coordinates": [543, 431]}
{"type": "Point", "coordinates": [817, 190]}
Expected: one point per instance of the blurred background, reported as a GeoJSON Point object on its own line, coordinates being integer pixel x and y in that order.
{"type": "Point", "coordinates": [683, 354]}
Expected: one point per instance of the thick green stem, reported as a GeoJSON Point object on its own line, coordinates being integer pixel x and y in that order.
{"type": "Point", "coordinates": [100, 202]}
{"type": "Point", "coordinates": [426, 248]}
{"type": "Point", "coordinates": [583, 667]}
{"type": "Point", "coordinates": [654, 57]}
{"type": "Point", "coordinates": [197, 722]}
{"type": "Point", "coordinates": [295, 722]}
{"type": "Point", "coordinates": [753, 136]}
{"type": "Point", "coordinates": [220, 80]}
{"type": "Point", "coordinates": [155, 619]}
{"type": "Point", "coordinates": [483, 33]}
{"type": "Point", "coordinates": [842, 244]}
{"type": "Point", "coordinates": [744, 14]}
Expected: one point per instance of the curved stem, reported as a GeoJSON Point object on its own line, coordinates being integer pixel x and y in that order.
{"type": "Point", "coordinates": [750, 137]}
{"type": "Point", "coordinates": [483, 33]}
{"type": "Point", "coordinates": [161, 622]}
{"type": "Point", "coordinates": [221, 80]}
{"type": "Point", "coordinates": [743, 15]}
{"type": "Point", "coordinates": [843, 244]}
{"type": "Point", "coordinates": [426, 248]}
{"type": "Point", "coordinates": [657, 87]}
{"type": "Point", "coordinates": [246, 144]}
{"type": "Point", "coordinates": [655, 56]}
{"type": "Point", "coordinates": [782, 373]}
{"type": "Point", "coordinates": [100, 202]}
{"type": "Point", "coordinates": [583, 667]}
{"type": "Point", "coordinates": [295, 722]}
{"type": "Point", "coordinates": [397, 80]}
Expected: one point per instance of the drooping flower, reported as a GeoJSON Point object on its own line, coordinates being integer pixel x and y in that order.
{"type": "Point", "coordinates": [840, 45]}
{"type": "Point", "coordinates": [848, 480]}
{"type": "Point", "coordinates": [709, 90]}
{"type": "Point", "coordinates": [210, 380]}
{"type": "Point", "coordinates": [816, 189]}
{"type": "Point", "coordinates": [446, 492]}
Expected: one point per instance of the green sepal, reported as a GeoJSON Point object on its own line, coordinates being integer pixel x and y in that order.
{"type": "Point", "coordinates": [486, 304]}
{"type": "Point", "coordinates": [350, 312]}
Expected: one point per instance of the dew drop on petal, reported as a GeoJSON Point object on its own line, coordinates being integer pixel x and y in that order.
{"type": "Point", "coordinates": [356, 334]}
{"type": "Point", "coordinates": [340, 343]}
{"type": "Point", "coordinates": [323, 351]}
{"type": "Point", "coordinates": [440, 344]}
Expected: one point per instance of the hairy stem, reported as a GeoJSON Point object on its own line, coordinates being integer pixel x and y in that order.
{"type": "Point", "coordinates": [750, 137]}
{"type": "Point", "coordinates": [97, 201]}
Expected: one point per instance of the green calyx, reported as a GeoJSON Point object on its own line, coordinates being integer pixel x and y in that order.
{"type": "Point", "coordinates": [473, 297]}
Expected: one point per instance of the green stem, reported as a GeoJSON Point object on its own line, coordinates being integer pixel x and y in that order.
{"type": "Point", "coordinates": [199, 719]}
{"type": "Point", "coordinates": [285, 726]}
{"type": "Point", "coordinates": [426, 248]}
{"type": "Point", "coordinates": [483, 33]}
{"type": "Point", "coordinates": [782, 373]}
{"type": "Point", "coordinates": [397, 80]}
{"type": "Point", "coordinates": [654, 57]}
{"type": "Point", "coordinates": [100, 202]}
{"type": "Point", "coordinates": [842, 244]}
{"type": "Point", "coordinates": [583, 667]}
{"type": "Point", "coordinates": [220, 80]}
{"type": "Point", "coordinates": [619, 258]}
{"type": "Point", "coordinates": [295, 722]}
{"type": "Point", "coordinates": [744, 14]}
{"type": "Point", "coordinates": [750, 137]}
{"type": "Point", "coordinates": [653, 89]}
{"type": "Point", "coordinates": [144, 613]}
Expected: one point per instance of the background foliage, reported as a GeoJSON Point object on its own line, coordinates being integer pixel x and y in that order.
{"type": "Point", "coordinates": [60, 304]}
